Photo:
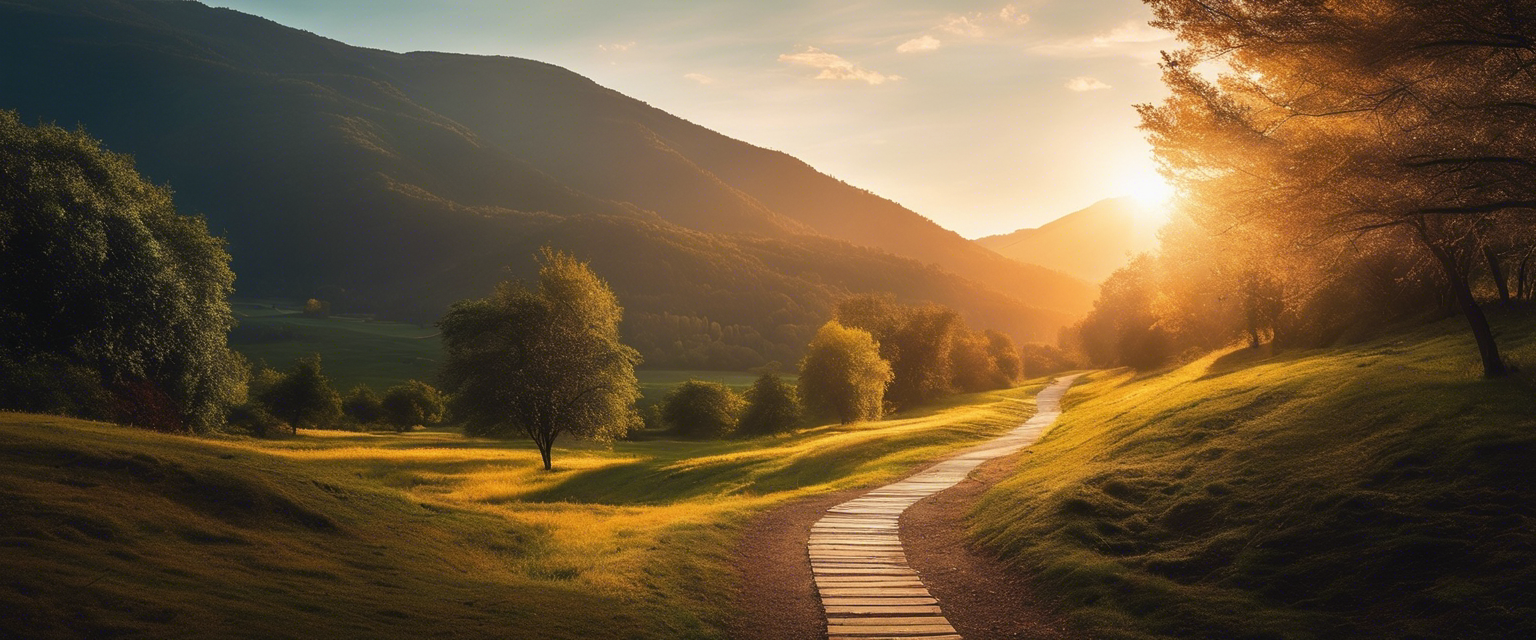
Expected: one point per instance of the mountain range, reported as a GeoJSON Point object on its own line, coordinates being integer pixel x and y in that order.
{"type": "Point", "coordinates": [400, 182]}
{"type": "Point", "coordinates": [1089, 244]}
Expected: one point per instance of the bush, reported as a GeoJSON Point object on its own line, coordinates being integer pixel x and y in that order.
{"type": "Point", "coordinates": [253, 419]}
{"type": "Point", "coordinates": [700, 409]}
{"type": "Point", "coordinates": [302, 397]}
{"type": "Point", "coordinates": [773, 406]}
{"type": "Point", "coordinates": [363, 406]}
{"type": "Point", "coordinates": [412, 403]}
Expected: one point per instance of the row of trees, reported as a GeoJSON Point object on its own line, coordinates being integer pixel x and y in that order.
{"type": "Point", "coordinates": [1352, 163]}
{"type": "Point", "coordinates": [303, 397]}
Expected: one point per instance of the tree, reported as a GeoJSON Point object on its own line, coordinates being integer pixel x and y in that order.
{"type": "Point", "coordinates": [100, 277]}
{"type": "Point", "coordinates": [915, 340]}
{"type": "Point", "coordinates": [701, 409]}
{"type": "Point", "coordinates": [843, 375]}
{"type": "Point", "coordinates": [1341, 124]}
{"type": "Point", "coordinates": [363, 405]}
{"type": "Point", "coordinates": [412, 403]}
{"type": "Point", "coordinates": [302, 397]}
{"type": "Point", "coordinates": [542, 361]}
{"type": "Point", "coordinates": [773, 406]}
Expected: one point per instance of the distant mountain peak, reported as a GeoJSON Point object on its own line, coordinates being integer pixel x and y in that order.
{"type": "Point", "coordinates": [1090, 243]}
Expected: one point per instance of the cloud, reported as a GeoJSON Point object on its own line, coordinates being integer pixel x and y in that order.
{"type": "Point", "coordinates": [1012, 15]}
{"type": "Point", "coordinates": [1116, 40]}
{"type": "Point", "coordinates": [919, 45]}
{"type": "Point", "coordinates": [699, 78]}
{"type": "Point", "coordinates": [963, 26]}
{"type": "Point", "coordinates": [616, 47]}
{"type": "Point", "coordinates": [1085, 83]}
{"type": "Point", "coordinates": [835, 67]}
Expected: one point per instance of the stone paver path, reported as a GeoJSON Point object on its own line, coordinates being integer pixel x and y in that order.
{"type": "Point", "coordinates": [861, 572]}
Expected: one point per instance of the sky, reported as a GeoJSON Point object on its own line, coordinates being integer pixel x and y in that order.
{"type": "Point", "coordinates": [984, 116]}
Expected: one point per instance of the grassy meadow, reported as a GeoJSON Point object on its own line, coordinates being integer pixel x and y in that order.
{"type": "Point", "coordinates": [1377, 490]}
{"type": "Point", "coordinates": [378, 353]}
{"type": "Point", "coordinates": [117, 531]}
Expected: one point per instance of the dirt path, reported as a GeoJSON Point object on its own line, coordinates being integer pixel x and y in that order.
{"type": "Point", "coordinates": [982, 597]}
{"type": "Point", "coordinates": [856, 580]}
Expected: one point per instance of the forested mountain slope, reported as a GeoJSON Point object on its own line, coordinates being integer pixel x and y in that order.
{"type": "Point", "coordinates": [401, 182]}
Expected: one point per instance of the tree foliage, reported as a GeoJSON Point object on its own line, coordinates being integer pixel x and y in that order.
{"type": "Point", "coordinates": [701, 409]}
{"type": "Point", "coordinates": [413, 403]}
{"type": "Point", "coordinates": [1348, 131]}
{"type": "Point", "coordinates": [113, 305]}
{"type": "Point", "coordinates": [772, 406]}
{"type": "Point", "coordinates": [931, 350]}
{"type": "Point", "coordinates": [542, 361]}
{"type": "Point", "coordinates": [843, 375]}
{"type": "Point", "coordinates": [302, 397]}
{"type": "Point", "coordinates": [363, 406]}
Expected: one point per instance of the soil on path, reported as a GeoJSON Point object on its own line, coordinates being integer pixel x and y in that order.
{"type": "Point", "coordinates": [776, 600]}
{"type": "Point", "coordinates": [982, 597]}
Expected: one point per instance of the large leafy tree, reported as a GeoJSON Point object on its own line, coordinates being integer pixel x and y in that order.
{"type": "Point", "coordinates": [1342, 124]}
{"type": "Point", "coordinates": [101, 278]}
{"type": "Point", "coordinates": [542, 361]}
{"type": "Point", "coordinates": [843, 375]}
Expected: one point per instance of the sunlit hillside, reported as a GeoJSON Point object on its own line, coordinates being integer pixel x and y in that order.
{"type": "Point", "coordinates": [113, 530]}
{"type": "Point", "coordinates": [1370, 491]}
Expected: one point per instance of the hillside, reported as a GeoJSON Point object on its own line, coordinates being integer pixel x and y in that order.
{"type": "Point", "coordinates": [112, 531]}
{"type": "Point", "coordinates": [1089, 244]}
{"type": "Point", "coordinates": [1376, 491]}
{"type": "Point", "coordinates": [401, 182]}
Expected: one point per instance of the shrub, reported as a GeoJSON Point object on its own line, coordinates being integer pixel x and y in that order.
{"type": "Point", "coordinates": [773, 406]}
{"type": "Point", "coordinates": [303, 397]}
{"type": "Point", "coordinates": [412, 403]}
{"type": "Point", "coordinates": [363, 406]}
{"type": "Point", "coordinates": [701, 409]}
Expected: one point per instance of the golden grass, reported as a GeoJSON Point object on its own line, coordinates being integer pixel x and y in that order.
{"type": "Point", "coordinates": [347, 534]}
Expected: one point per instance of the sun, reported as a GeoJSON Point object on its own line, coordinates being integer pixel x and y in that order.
{"type": "Point", "coordinates": [1152, 194]}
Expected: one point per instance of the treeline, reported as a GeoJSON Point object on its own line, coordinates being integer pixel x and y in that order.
{"type": "Point", "coordinates": [1358, 165]}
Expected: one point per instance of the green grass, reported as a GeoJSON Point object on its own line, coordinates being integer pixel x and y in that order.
{"type": "Point", "coordinates": [116, 531]}
{"type": "Point", "coordinates": [381, 354]}
{"type": "Point", "coordinates": [1380, 490]}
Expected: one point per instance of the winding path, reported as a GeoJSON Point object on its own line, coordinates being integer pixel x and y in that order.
{"type": "Point", "coordinates": [860, 570]}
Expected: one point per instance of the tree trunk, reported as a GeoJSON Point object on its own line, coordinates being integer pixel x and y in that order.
{"type": "Point", "coordinates": [1520, 284]}
{"type": "Point", "coordinates": [1499, 278]}
{"type": "Point", "coordinates": [1493, 365]}
{"type": "Point", "coordinates": [544, 448]}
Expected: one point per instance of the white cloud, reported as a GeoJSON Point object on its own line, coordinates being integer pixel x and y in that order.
{"type": "Point", "coordinates": [1013, 15]}
{"type": "Point", "coordinates": [962, 26]}
{"type": "Point", "coordinates": [835, 67]}
{"type": "Point", "coordinates": [1118, 39]}
{"type": "Point", "coordinates": [1086, 83]}
{"type": "Point", "coordinates": [699, 78]}
{"type": "Point", "coordinates": [919, 45]}
{"type": "Point", "coordinates": [616, 47]}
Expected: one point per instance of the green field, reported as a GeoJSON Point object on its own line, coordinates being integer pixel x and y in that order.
{"type": "Point", "coordinates": [356, 350]}
{"type": "Point", "coordinates": [117, 531]}
{"type": "Point", "coordinates": [1376, 491]}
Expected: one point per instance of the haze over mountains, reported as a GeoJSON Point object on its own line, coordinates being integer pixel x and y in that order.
{"type": "Point", "coordinates": [1090, 244]}
{"type": "Point", "coordinates": [399, 183]}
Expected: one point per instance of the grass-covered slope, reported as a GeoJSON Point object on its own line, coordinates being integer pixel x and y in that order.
{"type": "Point", "coordinates": [1381, 490]}
{"type": "Point", "coordinates": [108, 531]}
